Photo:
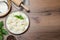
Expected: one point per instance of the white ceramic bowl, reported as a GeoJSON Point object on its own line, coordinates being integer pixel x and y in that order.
{"type": "Point", "coordinates": [9, 7]}
{"type": "Point", "coordinates": [15, 25]}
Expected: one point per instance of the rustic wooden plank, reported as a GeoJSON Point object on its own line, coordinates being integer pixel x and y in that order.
{"type": "Point", "coordinates": [45, 23]}
{"type": "Point", "coordinates": [46, 27]}
{"type": "Point", "coordinates": [42, 5]}
{"type": "Point", "coordinates": [41, 27]}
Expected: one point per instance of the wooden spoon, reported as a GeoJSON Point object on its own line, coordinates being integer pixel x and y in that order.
{"type": "Point", "coordinates": [20, 3]}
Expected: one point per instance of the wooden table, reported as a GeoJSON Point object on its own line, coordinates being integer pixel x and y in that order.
{"type": "Point", "coordinates": [42, 25]}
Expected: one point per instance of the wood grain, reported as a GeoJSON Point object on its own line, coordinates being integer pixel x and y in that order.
{"type": "Point", "coordinates": [42, 27]}
{"type": "Point", "coordinates": [42, 5]}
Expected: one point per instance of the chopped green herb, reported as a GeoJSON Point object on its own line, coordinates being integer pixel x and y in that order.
{"type": "Point", "coordinates": [1, 24]}
{"type": "Point", "coordinates": [1, 37]}
{"type": "Point", "coordinates": [2, 30]}
{"type": "Point", "coordinates": [19, 17]}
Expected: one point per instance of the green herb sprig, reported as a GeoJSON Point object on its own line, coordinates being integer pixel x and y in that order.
{"type": "Point", "coordinates": [2, 30]}
{"type": "Point", "coordinates": [19, 17]}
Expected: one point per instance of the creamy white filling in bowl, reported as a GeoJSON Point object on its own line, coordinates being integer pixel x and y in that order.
{"type": "Point", "coordinates": [17, 22]}
{"type": "Point", "coordinates": [5, 7]}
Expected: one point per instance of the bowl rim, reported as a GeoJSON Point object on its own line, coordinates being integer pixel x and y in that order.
{"type": "Point", "coordinates": [9, 8]}
{"type": "Point", "coordinates": [24, 30]}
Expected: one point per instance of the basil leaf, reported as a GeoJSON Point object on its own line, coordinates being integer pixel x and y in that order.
{"type": "Point", "coordinates": [1, 24]}
{"type": "Point", "coordinates": [0, 30]}
{"type": "Point", "coordinates": [19, 17]}
{"type": "Point", "coordinates": [4, 32]}
{"type": "Point", "coordinates": [1, 37]}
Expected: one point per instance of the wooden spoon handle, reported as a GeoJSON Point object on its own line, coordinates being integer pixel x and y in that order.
{"type": "Point", "coordinates": [17, 2]}
{"type": "Point", "coordinates": [25, 7]}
